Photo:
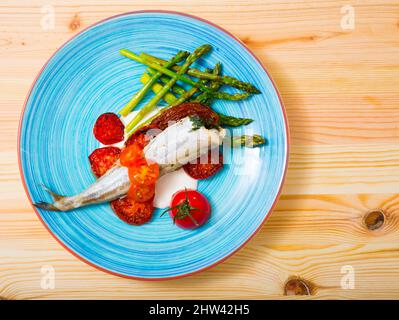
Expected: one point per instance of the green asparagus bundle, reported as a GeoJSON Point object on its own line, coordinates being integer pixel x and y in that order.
{"type": "Point", "coordinates": [181, 77]}
{"type": "Point", "coordinates": [224, 120]}
{"type": "Point", "coordinates": [210, 81]}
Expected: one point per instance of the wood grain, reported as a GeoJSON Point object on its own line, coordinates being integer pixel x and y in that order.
{"type": "Point", "coordinates": [340, 89]}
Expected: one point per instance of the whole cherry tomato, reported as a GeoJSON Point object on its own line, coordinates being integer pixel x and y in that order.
{"type": "Point", "coordinates": [141, 192]}
{"type": "Point", "coordinates": [189, 209]}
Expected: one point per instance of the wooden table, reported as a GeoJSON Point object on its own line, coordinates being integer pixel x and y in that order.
{"type": "Point", "coordinates": [340, 87]}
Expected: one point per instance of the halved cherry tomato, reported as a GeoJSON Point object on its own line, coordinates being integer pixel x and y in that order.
{"type": "Point", "coordinates": [132, 212]}
{"type": "Point", "coordinates": [141, 192]}
{"type": "Point", "coordinates": [189, 209]}
{"type": "Point", "coordinates": [144, 174]}
{"type": "Point", "coordinates": [102, 159]}
{"type": "Point", "coordinates": [200, 170]}
{"type": "Point", "coordinates": [109, 129]}
{"type": "Point", "coordinates": [132, 156]}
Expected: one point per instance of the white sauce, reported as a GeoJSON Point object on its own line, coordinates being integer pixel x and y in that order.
{"type": "Point", "coordinates": [168, 184]}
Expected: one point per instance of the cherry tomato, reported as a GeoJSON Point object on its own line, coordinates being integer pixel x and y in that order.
{"type": "Point", "coordinates": [102, 159]}
{"type": "Point", "coordinates": [132, 155]}
{"type": "Point", "coordinates": [189, 209]}
{"type": "Point", "coordinates": [109, 129]}
{"type": "Point", "coordinates": [144, 174]}
{"type": "Point", "coordinates": [141, 192]}
{"type": "Point", "coordinates": [201, 171]}
{"type": "Point", "coordinates": [132, 212]}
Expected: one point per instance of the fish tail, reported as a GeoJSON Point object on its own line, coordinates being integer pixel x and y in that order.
{"type": "Point", "coordinates": [48, 206]}
{"type": "Point", "coordinates": [55, 196]}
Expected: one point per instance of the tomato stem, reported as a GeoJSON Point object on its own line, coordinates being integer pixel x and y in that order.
{"type": "Point", "coordinates": [183, 210]}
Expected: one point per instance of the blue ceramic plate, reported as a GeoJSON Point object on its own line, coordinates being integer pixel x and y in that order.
{"type": "Point", "coordinates": [87, 77]}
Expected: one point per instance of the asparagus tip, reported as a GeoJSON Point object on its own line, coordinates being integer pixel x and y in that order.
{"type": "Point", "coordinates": [256, 90]}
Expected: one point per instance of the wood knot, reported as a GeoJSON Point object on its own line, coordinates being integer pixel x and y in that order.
{"type": "Point", "coordinates": [374, 219]}
{"type": "Point", "coordinates": [75, 23]}
{"type": "Point", "coordinates": [297, 287]}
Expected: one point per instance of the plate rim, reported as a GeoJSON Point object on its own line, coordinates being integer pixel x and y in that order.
{"type": "Point", "coordinates": [267, 214]}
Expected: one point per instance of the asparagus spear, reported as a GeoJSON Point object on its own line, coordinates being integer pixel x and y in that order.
{"type": "Point", "coordinates": [181, 77]}
{"type": "Point", "coordinates": [229, 121]}
{"type": "Point", "coordinates": [187, 94]}
{"type": "Point", "coordinates": [224, 120]}
{"type": "Point", "coordinates": [184, 97]}
{"type": "Point", "coordinates": [151, 105]}
{"type": "Point", "coordinates": [233, 82]}
{"type": "Point", "coordinates": [248, 141]}
{"type": "Point", "coordinates": [215, 86]}
{"type": "Point", "coordinates": [204, 97]}
{"type": "Point", "coordinates": [168, 97]}
{"type": "Point", "coordinates": [164, 79]}
{"type": "Point", "coordinates": [141, 93]}
{"type": "Point", "coordinates": [184, 94]}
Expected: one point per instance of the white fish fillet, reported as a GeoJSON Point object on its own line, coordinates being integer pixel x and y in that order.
{"type": "Point", "coordinates": [179, 144]}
